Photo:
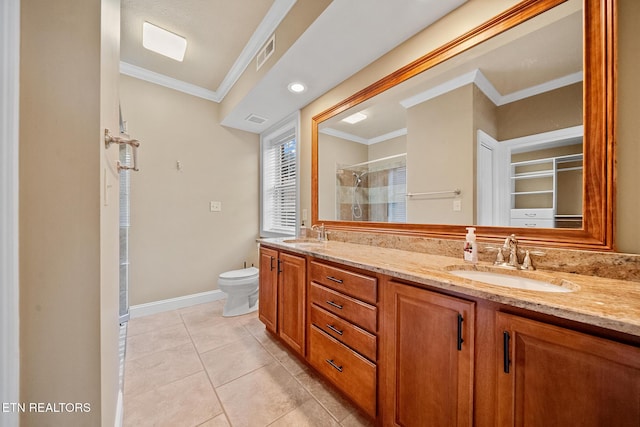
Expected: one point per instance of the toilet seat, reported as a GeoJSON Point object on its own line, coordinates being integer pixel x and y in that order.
{"type": "Point", "coordinates": [240, 277]}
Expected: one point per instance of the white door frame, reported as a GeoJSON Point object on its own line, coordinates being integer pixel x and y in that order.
{"type": "Point", "coordinates": [9, 267]}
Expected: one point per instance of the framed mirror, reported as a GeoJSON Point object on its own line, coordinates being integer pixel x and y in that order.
{"type": "Point", "coordinates": [508, 127]}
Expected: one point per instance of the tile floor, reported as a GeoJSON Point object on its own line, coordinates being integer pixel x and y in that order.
{"type": "Point", "coordinates": [193, 367]}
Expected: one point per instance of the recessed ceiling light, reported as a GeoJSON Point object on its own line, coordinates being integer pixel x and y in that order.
{"type": "Point", "coordinates": [297, 87]}
{"type": "Point", "coordinates": [163, 42]}
{"type": "Point", "coordinates": [355, 118]}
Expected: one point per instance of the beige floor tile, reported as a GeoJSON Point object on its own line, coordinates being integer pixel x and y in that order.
{"type": "Point", "coordinates": [187, 402]}
{"type": "Point", "coordinates": [219, 421]}
{"type": "Point", "coordinates": [234, 360]}
{"type": "Point", "coordinates": [160, 368]}
{"type": "Point", "coordinates": [284, 355]}
{"type": "Point", "coordinates": [309, 414]}
{"type": "Point", "coordinates": [261, 397]}
{"type": "Point", "coordinates": [339, 407]}
{"type": "Point", "coordinates": [213, 334]}
{"type": "Point", "coordinates": [141, 325]}
{"type": "Point", "coordinates": [356, 419]}
{"type": "Point", "coordinates": [160, 339]}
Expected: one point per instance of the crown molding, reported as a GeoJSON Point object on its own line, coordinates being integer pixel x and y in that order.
{"type": "Point", "coordinates": [361, 140]}
{"type": "Point", "coordinates": [261, 35]}
{"type": "Point", "coordinates": [480, 80]}
{"type": "Point", "coordinates": [166, 81]}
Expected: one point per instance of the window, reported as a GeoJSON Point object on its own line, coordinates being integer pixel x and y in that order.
{"type": "Point", "coordinates": [279, 181]}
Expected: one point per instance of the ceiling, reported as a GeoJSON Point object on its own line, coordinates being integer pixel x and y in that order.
{"type": "Point", "coordinates": [224, 36]}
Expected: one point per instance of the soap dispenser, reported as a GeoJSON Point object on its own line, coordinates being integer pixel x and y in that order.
{"type": "Point", "coordinates": [470, 246]}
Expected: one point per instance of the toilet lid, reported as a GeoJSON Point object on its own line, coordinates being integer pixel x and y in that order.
{"type": "Point", "coordinates": [239, 274]}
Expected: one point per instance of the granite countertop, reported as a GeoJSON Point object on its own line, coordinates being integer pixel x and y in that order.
{"type": "Point", "coordinates": [608, 303]}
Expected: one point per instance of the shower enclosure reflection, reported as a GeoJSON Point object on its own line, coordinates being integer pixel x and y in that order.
{"type": "Point", "coordinates": [374, 190]}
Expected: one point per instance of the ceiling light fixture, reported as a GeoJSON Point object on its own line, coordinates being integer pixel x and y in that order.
{"type": "Point", "coordinates": [163, 42]}
{"type": "Point", "coordinates": [355, 118]}
{"type": "Point", "coordinates": [297, 87]}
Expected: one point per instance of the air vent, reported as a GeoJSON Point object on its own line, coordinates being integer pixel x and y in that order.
{"type": "Point", "coordinates": [266, 52]}
{"type": "Point", "coordinates": [255, 119]}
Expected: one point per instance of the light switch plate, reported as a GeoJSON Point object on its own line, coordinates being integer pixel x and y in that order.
{"type": "Point", "coordinates": [457, 205]}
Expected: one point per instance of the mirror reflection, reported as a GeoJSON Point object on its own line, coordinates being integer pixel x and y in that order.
{"type": "Point", "coordinates": [493, 136]}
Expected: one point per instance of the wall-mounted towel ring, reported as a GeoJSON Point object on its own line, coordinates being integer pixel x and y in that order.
{"type": "Point", "coordinates": [134, 143]}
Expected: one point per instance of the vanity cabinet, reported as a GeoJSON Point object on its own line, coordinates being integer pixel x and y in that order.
{"type": "Point", "coordinates": [342, 331]}
{"type": "Point", "coordinates": [282, 293]}
{"type": "Point", "coordinates": [427, 355]}
{"type": "Point", "coordinates": [554, 376]}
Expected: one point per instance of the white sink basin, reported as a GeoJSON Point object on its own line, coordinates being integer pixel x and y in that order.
{"type": "Point", "coordinates": [513, 281]}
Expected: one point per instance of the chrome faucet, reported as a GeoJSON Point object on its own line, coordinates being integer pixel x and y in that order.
{"type": "Point", "coordinates": [322, 234]}
{"type": "Point", "coordinates": [511, 245]}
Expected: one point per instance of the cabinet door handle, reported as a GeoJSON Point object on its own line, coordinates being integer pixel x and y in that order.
{"type": "Point", "coordinates": [279, 264]}
{"type": "Point", "coordinates": [505, 348]}
{"type": "Point", "coordinates": [333, 279]}
{"type": "Point", "coordinates": [333, 304]}
{"type": "Point", "coordinates": [460, 340]}
{"type": "Point", "coordinates": [272, 259]}
{"type": "Point", "coordinates": [331, 362]}
{"type": "Point", "coordinates": [334, 329]}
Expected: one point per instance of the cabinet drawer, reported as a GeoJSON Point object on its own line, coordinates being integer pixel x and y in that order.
{"type": "Point", "coordinates": [345, 368]}
{"type": "Point", "coordinates": [351, 309]}
{"type": "Point", "coordinates": [532, 213]}
{"type": "Point", "coordinates": [347, 282]}
{"type": "Point", "coordinates": [352, 336]}
{"type": "Point", "coordinates": [532, 223]}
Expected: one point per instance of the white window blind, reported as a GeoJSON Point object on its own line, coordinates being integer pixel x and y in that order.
{"type": "Point", "coordinates": [279, 183]}
{"type": "Point", "coordinates": [397, 207]}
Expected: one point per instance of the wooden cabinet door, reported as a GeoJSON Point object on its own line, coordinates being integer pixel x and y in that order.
{"type": "Point", "coordinates": [291, 300]}
{"type": "Point", "coordinates": [268, 289]}
{"type": "Point", "coordinates": [427, 358]}
{"type": "Point", "coordinates": [551, 376]}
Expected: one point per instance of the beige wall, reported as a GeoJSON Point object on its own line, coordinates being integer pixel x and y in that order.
{"type": "Point", "coordinates": [557, 109]}
{"type": "Point", "coordinates": [388, 148]}
{"type": "Point", "coordinates": [473, 13]}
{"type": "Point", "coordinates": [177, 246]}
{"type": "Point", "coordinates": [440, 158]}
{"type": "Point", "coordinates": [68, 235]}
{"type": "Point", "coordinates": [627, 236]}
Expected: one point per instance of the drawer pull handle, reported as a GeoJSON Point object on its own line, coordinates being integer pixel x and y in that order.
{"type": "Point", "coordinates": [460, 340]}
{"type": "Point", "coordinates": [333, 279]}
{"type": "Point", "coordinates": [334, 329]}
{"type": "Point", "coordinates": [530, 215]}
{"type": "Point", "coordinates": [505, 348]}
{"type": "Point", "coordinates": [337, 368]}
{"type": "Point", "coordinates": [333, 304]}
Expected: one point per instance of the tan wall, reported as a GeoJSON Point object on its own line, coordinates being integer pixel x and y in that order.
{"type": "Point", "coordinates": [335, 150]}
{"type": "Point", "coordinates": [440, 158]}
{"type": "Point", "coordinates": [177, 246]}
{"type": "Point", "coordinates": [473, 13]}
{"type": "Point", "coordinates": [627, 236]}
{"type": "Point", "coordinates": [68, 236]}
{"type": "Point", "coordinates": [557, 109]}
{"type": "Point", "coordinates": [388, 148]}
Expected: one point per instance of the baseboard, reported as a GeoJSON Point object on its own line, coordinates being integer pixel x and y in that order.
{"type": "Point", "coordinates": [141, 310]}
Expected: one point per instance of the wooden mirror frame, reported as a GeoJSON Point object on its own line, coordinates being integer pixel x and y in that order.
{"type": "Point", "coordinates": [599, 132]}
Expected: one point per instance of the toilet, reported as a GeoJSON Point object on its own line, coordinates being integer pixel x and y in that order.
{"type": "Point", "coordinates": [241, 287]}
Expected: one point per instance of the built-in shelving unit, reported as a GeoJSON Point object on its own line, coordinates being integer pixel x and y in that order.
{"type": "Point", "coordinates": [538, 187]}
